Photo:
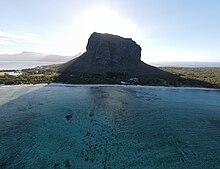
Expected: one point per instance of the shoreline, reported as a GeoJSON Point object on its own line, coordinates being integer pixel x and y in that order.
{"type": "Point", "coordinates": [22, 85]}
{"type": "Point", "coordinates": [183, 78]}
{"type": "Point", "coordinates": [105, 85]}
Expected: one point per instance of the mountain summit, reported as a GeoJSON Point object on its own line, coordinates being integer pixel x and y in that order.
{"type": "Point", "coordinates": [106, 49]}
{"type": "Point", "coordinates": [110, 54]}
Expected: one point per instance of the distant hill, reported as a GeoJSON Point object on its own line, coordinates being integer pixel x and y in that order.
{"type": "Point", "coordinates": [33, 56]}
{"type": "Point", "coordinates": [58, 58]}
{"type": "Point", "coordinates": [24, 56]}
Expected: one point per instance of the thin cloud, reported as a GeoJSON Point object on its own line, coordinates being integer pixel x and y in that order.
{"type": "Point", "coordinates": [13, 37]}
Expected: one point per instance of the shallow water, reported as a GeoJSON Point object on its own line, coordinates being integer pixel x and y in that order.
{"type": "Point", "coordinates": [92, 127]}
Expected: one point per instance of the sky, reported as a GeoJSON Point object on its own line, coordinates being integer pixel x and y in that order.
{"type": "Point", "coordinates": [167, 30]}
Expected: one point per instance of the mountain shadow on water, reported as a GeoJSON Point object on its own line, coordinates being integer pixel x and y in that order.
{"type": "Point", "coordinates": [111, 59]}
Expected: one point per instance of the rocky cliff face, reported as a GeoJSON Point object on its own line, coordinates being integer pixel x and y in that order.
{"type": "Point", "coordinates": [109, 50]}
{"type": "Point", "coordinates": [106, 53]}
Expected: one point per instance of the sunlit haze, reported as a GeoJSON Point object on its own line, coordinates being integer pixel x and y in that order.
{"type": "Point", "coordinates": [94, 19]}
{"type": "Point", "coordinates": [171, 30]}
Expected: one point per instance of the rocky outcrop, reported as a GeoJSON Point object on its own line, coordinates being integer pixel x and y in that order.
{"type": "Point", "coordinates": [109, 50]}
{"type": "Point", "coordinates": [110, 54]}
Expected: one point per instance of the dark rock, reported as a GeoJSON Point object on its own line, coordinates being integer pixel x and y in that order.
{"type": "Point", "coordinates": [91, 114]}
{"type": "Point", "coordinates": [56, 166]}
{"type": "Point", "coordinates": [67, 164]}
{"type": "Point", "coordinates": [87, 158]}
{"type": "Point", "coordinates": [111, 50]}
{"type": "Point", "coordinates": [107, 53]}
{"type": "Point", "coordinates": [3, 164]}
{"type": "Point", "coordinates": [110, 55]}
{"type": "Point", "coordinates": [68, 117]}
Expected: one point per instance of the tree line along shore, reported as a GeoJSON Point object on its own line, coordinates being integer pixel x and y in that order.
{"type": "Point", "coordinates": [190, 77]}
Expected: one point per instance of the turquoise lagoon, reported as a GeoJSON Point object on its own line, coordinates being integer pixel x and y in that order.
{"type": "Point", "coordinates": [101, 127]}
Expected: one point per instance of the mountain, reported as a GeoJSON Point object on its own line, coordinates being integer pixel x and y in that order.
{"type": "Point", "coordinates": [33, 56]}
{"type": "Point", "coordinates": [109, 59]}
{"type": "Point", "coordinates": [58, 58]}
{"type": "Point", "coordinates": [110, 54]}
{"type": "Point", "coordinates": [24, 56]}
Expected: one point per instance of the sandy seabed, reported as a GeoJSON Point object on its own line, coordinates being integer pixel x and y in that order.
{"type": "Point", "coordinates": [107, 126]}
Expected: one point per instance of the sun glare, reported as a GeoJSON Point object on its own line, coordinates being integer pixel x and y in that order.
{"type": "Point", "coordinates": [105, 20]}
{"type": "Point", "coordinates": [97, 19]}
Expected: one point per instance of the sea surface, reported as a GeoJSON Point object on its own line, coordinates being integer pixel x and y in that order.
{"type": "Point", "coordinates": [101, 127]}
{"type": "Point", "coordinates": [187, 64]}
{"type": "Point", "coordinates": [18, 65]}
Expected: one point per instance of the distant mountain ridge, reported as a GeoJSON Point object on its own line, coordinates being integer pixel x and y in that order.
{"type": "Point", "coordinates": [33, 56]}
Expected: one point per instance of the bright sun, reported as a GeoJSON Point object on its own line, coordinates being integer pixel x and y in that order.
{"type": "Point", "coordinates": [98, 19]}
{"type": "Point", "coordinates": [104, 20]}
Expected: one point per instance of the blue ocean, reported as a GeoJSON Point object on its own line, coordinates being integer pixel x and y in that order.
{"type": "Point", "coordinates": [94, 127]}
{"type": "Point", "coordinates": [18, 65]}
